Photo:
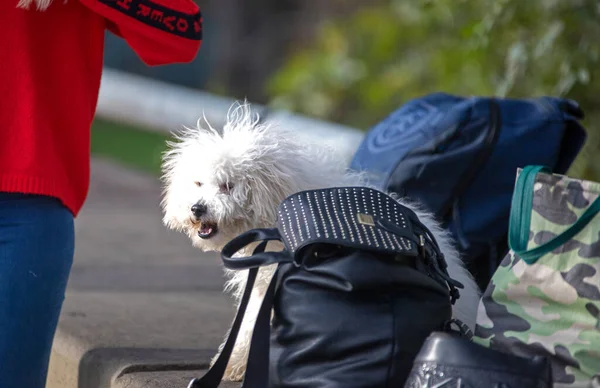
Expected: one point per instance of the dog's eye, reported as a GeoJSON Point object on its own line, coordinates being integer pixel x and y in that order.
{"type": "Point", "coordinates": [225, 187]}
{"type": "Point", "coordinates": [199, 184]}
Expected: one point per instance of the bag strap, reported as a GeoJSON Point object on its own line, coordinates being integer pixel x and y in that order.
{"type": "Point", "coordinates": [491, 138]}
{"type": "Point", "coordinates": [429, 251]}
{"type": "Point", "coordinates": [520, 218]}
{"type": "Point", "coordinates": [257, 367]}
{"type": "Point", "coordinates": [258, 258]}
{"type": "Point", "coordinates": [574, 135]}
{"type": "Point", "coordinates": [462, 329]}
{"type": "Point", "coordinates": [212, 378]}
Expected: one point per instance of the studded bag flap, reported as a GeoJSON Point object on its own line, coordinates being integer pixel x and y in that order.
{"type": "Point", "coordinates": [356, 217]}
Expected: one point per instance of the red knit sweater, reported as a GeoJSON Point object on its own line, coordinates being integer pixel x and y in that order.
{"type": "Point", "coordinates": [50, 77]}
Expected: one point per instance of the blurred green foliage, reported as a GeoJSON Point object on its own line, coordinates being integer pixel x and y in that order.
{"type": "Point", "coordinates": [131, 146]}
{"type": "Point", "coordinates": [361, 68]}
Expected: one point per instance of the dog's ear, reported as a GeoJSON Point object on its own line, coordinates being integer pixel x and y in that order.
{"type": "Point", "coordinates": [174, 215]}
{"type": "Point", "coordinates": [175, 160]}
{"type": "Point", "coordinates": [267, 191]}
{"type": "Point", "coordinates": [273, 179]}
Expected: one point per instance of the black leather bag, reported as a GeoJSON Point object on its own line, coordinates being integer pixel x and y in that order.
{"type": "Point", "coordinates": [360, 285]}
{"type": "Point", "coordinates": [448, 361]}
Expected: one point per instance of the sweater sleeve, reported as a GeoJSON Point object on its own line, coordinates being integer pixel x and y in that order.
{"type": "Point", "coordinates": [159, 31]}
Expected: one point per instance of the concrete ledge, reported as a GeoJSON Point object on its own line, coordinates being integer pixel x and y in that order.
{"type": "Point", "coordinates": [153, 379]}
{"type": "Point", "coordinates": [102, 334]}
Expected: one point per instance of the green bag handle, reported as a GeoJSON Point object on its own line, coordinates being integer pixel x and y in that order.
{"type": "Point", "coordinates": [520, 218]}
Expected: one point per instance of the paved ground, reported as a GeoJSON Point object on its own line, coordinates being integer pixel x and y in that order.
{"type": "Point", "coordinates": [143, 308]}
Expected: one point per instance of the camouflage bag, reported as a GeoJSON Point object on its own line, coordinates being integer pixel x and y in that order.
{"type": "Point", "coordinates": [544, 299]}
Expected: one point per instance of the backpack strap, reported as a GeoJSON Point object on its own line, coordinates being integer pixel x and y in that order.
{"type": "Point", "coordinates": [429, 252]}
{"type": "Point", "coordinates": [259, 258]}
{"type": "Point", "coordinates": [257, 367]}
{"type": "Point", "coordinates": [480, 160]}
{"type": "Point", "coordinates": [257, 361]}
{"type": "Point", "coordinates": [214, 375]}
{"type": "Point", "coordinates": [458, 327]}
{"type": "Point", "coordinates": [574, 136]}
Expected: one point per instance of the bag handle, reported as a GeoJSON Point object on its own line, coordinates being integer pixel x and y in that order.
{"type": "Point", "coordinates": [258, 258]}
{"type": "Point", "coordinates": [257, 366]}
{"type": "Point", "coordinates": [212, 378]}
{"type": "Point", "coordinates": [520, 218]}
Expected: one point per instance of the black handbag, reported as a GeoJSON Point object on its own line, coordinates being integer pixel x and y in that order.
{"type": "Point", "coordinates": [360, 285]}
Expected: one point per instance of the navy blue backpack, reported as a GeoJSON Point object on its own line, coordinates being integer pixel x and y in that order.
{"type": "Point", "coordinates": [459, 156]}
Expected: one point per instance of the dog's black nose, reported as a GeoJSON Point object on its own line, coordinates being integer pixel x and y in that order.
{"type": "Point", "coordinates": [198, 210]}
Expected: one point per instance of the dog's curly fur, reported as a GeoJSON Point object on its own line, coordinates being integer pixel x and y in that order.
{"type": "Point", "coordinates": [240, 175]}
{"type": "Point", "coordinates": [40, 5]}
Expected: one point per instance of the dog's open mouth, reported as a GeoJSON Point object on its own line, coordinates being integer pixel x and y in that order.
{"type": "Point", "coordinates": [207, 230]}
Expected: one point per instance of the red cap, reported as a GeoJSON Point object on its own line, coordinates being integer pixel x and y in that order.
{"type": "Point", "coordinates": [159, 31]}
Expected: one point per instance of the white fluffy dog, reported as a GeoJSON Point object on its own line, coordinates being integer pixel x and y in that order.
{"type": "Point", "coordinates": [220, 184]}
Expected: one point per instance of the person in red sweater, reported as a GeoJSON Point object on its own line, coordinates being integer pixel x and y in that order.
{"type": "Point", "coordinates": [49, 82]}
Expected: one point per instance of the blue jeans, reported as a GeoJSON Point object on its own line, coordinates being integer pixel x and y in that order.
{"type": "Point", "coordinates": [36, 252]}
